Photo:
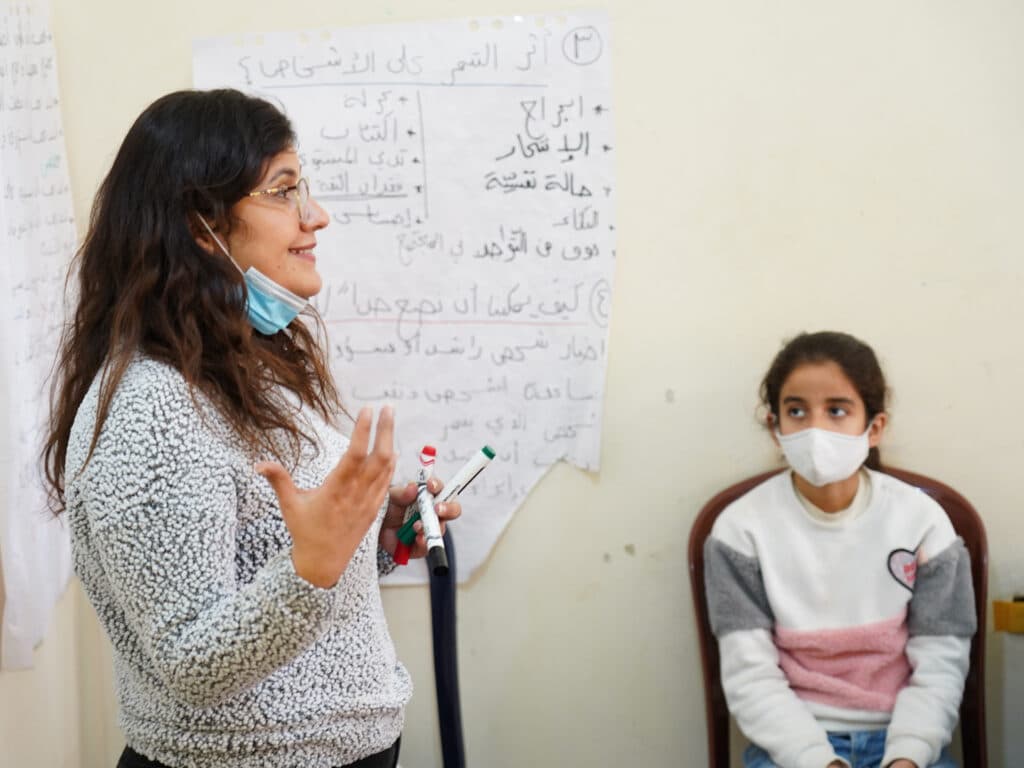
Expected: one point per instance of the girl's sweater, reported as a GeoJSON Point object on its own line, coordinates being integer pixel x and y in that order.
{"type": "Point", "coordinates": [853, 623]}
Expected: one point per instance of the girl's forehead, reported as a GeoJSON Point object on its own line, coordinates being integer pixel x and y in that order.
{"type": "Point", "coordinates": [822, 379]}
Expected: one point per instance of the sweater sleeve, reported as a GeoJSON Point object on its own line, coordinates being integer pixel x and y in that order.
{"type": "Point", "coordinates": [385, 562]}
{"type": "Point", "coordinates": [758, 694]}
{"type": "Point", "coordinates": [161, 508]}
{"type": "Point", "coordinates": [942, 620]}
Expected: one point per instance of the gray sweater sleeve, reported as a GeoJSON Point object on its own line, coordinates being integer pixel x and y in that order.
{"type": "Point", "coordinates": [159, 501]}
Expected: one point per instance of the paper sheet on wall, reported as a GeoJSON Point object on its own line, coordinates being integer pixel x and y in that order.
{"type": "Point", "coordinates": [467, 170]}
{"type": "Point", "coordinates": [38, 234]}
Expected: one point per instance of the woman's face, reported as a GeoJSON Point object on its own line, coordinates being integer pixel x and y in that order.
{"type": "Point", "coordinates": [269, 234]}
{"type": "Point", "coordinates": [820, 395]}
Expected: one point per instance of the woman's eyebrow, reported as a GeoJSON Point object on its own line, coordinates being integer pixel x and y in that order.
{"type": "Point", "coordinates": [287, 171]}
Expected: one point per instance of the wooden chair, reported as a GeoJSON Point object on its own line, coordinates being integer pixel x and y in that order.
{"type": "Point", "coordinates": [968, 526]}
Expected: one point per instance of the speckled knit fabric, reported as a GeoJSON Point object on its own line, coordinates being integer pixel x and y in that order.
{"type": "Point", "coordinates": [223, 656]}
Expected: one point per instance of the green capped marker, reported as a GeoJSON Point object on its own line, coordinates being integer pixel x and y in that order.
{"type": "Point", "coordinates": [476, 464]}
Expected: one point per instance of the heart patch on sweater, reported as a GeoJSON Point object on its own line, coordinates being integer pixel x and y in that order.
{"type": "Point", "coordinates": [903, 567]}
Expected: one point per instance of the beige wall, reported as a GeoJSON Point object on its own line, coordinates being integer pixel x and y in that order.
{"type": "Point", "coordinates": [782, 166]}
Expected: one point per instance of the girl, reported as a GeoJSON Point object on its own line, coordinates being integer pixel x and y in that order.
{"type": "Point", "coordinates": [245, 617]}
{"type": "Point", "coordinates": [840, 597]}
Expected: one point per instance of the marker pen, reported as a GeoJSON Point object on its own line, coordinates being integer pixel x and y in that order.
{"type": "Point", "coordinates": [476, 464]}
{"type": "Point", "coordinates": [406, 534]}
{"type": "Point", "coordinates": [437, 558]}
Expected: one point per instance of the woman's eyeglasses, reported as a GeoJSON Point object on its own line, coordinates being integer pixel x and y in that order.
{"type": "Point", "coordinates": [298, 193]}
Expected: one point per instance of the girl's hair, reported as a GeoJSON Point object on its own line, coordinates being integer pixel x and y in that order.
{"type": "Point", "coordinates": [856, 359]}
{"type": "Point", "coordinates": [144, 285]}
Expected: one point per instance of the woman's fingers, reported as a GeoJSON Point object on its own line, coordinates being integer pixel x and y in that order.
{"type": "Point", "coordinates": [418, 527]}
{"type": "Point", "coordinates": [403, 495]}
{"type": "Point", "coordinates": [361, 466]}
{"type": "Point", "coordinates": [383, 443]}
{"type": "Point", "coordinates": [359, 443]}
{"type": "Point", "coordinates": [381, 461]}
{"type": "Point", "coordinates": [399, 498]}
{"type": "Point", "coordinates": [327, 523]}
{"type": "Point", "coordinates": [449, 510]}
{"type": "Point", "coordinates": [279, 480]}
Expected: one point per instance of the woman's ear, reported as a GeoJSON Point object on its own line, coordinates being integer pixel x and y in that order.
{"type": "Point", "coordinates": [876, 429]}
{"type": "Point", "coordinates": [202, 232]}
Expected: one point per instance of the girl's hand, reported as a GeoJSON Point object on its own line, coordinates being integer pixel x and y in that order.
{"type": "Point", "coordinates": [327, 523]}
{"type": "Point", "coordinates": [402, 497]}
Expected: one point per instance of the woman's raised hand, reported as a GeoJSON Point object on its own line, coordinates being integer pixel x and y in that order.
{"type": "Point", "coordinates": [327, 523]}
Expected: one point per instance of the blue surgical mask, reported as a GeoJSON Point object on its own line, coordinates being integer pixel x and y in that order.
{"type": "Point", "coordinates": [270, 306]}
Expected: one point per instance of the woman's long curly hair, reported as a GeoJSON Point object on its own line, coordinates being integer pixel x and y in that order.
{"type": "Point", "coordinates": [144, 284]}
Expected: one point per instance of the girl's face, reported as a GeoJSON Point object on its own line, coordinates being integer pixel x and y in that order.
{"type": "Point", "coordinates": [820, 395]}
{"type": "Point", "coordinates": [271, 236]}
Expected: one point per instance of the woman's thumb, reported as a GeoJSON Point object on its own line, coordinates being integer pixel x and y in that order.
{"type": "Point", "coordinates": [279, 480]}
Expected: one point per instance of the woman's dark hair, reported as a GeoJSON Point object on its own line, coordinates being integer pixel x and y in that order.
{"type": "Point", "coordinates": [144, 285]}
{"type": "Point", "coordinates": [856, 359]}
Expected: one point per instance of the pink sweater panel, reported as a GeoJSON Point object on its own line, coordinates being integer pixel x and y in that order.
{"type": "Point", "coordinates": [860, 667]}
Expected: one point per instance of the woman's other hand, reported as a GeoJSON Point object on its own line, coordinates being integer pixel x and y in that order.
{"type": "Point", "coordinates": [401, 497]}
{"type": "Point", "coordinates": [327, 523]}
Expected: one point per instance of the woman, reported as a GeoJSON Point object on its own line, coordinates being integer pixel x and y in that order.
{"type": "Point", "coordinates": [245, 614]}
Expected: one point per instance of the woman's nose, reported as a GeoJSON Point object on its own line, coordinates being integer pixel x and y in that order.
{"type": "Point", "coordinates": [318, 217]}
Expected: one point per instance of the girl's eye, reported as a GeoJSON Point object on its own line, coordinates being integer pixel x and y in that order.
{"type": "Point", "coordinates": [281, 193]}
{"type": "Point", "coordinates": [837, 411]}
{"type": "Point", "coordinates": [796, 412]}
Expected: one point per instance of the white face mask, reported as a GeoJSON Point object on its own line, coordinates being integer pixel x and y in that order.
{"type": "Point", "coordinates": [821, 457]}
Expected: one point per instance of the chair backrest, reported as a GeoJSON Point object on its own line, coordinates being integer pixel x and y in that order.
{"type": "Point", "coordinates": [968, 525]}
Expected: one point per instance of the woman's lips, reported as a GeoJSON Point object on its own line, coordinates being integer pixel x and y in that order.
{"type": "Point", "coordinates": [305, 253]}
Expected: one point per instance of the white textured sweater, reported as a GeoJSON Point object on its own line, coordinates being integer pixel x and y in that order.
{"type": "Point", "coordinates": [223, 655]}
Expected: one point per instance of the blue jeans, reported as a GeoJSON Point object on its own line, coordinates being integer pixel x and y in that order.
{"type": "Point", "coordinates": [861, 749]}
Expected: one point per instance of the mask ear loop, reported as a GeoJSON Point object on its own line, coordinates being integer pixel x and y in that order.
{"type": "Point", "coordinates": [220, 244]}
